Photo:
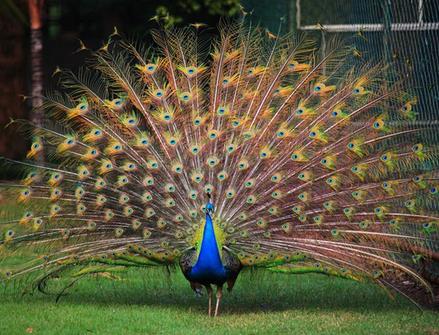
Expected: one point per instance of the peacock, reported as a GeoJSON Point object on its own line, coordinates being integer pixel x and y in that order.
{"type": "Point", "coordinates": [250, 150]}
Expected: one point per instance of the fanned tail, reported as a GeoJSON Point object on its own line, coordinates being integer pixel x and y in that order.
{"type": "Point", "coordinates": [314, 164]}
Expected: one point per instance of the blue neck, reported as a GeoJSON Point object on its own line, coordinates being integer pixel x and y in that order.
{"type": "Point", "coordinates": [208, 265]}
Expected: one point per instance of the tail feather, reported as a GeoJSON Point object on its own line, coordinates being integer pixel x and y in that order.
{"type": "Point", "coordinates": [314, 165]}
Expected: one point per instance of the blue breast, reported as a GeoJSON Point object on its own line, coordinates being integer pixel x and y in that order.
{"type": "Point", "coordinates": [208, 268]}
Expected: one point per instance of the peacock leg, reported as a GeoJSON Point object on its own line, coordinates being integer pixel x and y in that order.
{"type": "Point", "coordinates": [210, 294]}
{"type": "Point", "coordinates": [219, 294]}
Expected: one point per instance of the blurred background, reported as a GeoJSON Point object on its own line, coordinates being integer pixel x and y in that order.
{"type": "Point", "coordinates": [38, 36]}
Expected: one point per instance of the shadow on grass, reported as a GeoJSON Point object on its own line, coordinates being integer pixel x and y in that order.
{"type": "Point", "coordinates": [257, 292]}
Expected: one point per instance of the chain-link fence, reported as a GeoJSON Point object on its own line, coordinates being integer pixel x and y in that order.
{"type": "Point", "coordinates": [402, 33]}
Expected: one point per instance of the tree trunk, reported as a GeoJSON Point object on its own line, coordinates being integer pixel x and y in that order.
{"type": "Point", "coordinates": [36, 48]}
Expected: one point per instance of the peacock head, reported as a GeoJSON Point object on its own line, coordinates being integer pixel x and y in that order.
{"type": "Point", "coordinates": [209, 206]}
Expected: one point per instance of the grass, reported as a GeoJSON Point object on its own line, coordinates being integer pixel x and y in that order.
{"type": "Point", "coordinates": [152, 302]}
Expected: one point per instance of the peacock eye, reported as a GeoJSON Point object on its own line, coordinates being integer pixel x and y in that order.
{"type": "Point", "coordinates": [334, 113]}
{"type": "Point", "coordinates": [93, 152]}
{"type": "Point", "coordinates": [299, 111]}
{"type": "Point", "coordinates": [82, 107]}
{"type": "Point", "coordinates": [150, 68]}
{"type": "Point", "coordinates": [294, 156]}
{"type": "Point", "coordinates": [35, 146]}
{"type": "Point", "coordinates": [324, 161]}
{"type": "Point", "coordinates": [118, 102]}
{"type": "Point", "coordinates": [97, 132]}
{"type": "Point", "coordinates": [376, 125]}
{"type": "Point", "coordinates": [172, 142]}
{"type": "Point", "coordinates": [312, 134]}
{"type": "Point", "coordinates": [354, 169]}
{"type": "Point", "coordinates": [167, 117]}
{"type": "Point", "coordinates": [225, 81]}
{"type": "Point", "coordinates": [144, 142]}
{"type": "Point", "coordinates": [159, 94]}
{"type": "Point", "coordinates": [433, 190]}
{"type": "Point", "coordinates": [317, 88]}
{"type": "Point", "coordinates": [70, 142]}
{"type": "Point", "coordinates": [117, 147]}
{"type": "Point", "coordinates": [404, 108]}
{"type": "Point", "coordinates": [190, 71]}
{"type": "Point", "coordinates": [356, 90]}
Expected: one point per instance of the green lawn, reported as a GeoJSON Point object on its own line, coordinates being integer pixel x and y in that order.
{"type": "Point", "coordinates": [152, 302]}
{"type": "Point", "coordinates": [149, 301]}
